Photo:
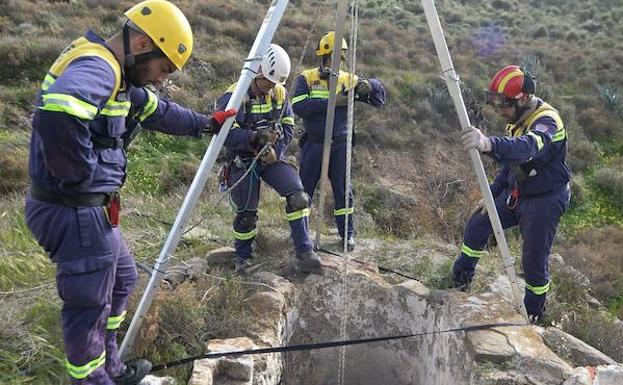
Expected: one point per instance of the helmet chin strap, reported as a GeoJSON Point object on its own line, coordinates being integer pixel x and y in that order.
{"type": "Point", "coordinates": [129, 59]}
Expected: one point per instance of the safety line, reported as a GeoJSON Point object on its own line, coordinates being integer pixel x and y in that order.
{"type": "Point", "coordinates": [325, 345]}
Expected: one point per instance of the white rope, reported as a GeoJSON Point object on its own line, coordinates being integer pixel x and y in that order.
{"type": "Point", "coordinates": [352, 65]}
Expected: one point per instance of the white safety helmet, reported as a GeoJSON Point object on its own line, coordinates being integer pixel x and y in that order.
{"type": "Point", "coordinates": [276, 64]}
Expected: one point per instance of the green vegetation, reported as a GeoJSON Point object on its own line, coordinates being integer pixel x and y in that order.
{"type": "Point", "coordinates": [412, 179]}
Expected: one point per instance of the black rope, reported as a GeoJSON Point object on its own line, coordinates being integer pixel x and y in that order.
{"type": "Point", "coordinates": [381, 268]}
{"type": "Point", "coordinates": [325, 345]}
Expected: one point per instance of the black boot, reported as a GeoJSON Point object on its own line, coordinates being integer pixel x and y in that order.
{"type": "Point", "coordinates": [309, 261]}
{"type": "Point", "coordinates": [134, 372]}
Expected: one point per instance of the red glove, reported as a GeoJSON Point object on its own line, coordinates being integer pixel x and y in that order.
{"type": "Point", "coordinates": [217, 120]}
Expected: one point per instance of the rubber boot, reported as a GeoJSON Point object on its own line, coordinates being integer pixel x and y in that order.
{"type": "Point", "coordinates": [350, 243]}
{"type": "Point", "coordinates": [133, 373]}
{"type": "Point", "coordinates": [241, 265]}
{"type": "Point", "coordinates": [309, 261]}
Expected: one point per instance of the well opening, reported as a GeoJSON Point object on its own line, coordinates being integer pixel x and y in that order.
{"type": "Point", "coordinates": [375, 309]}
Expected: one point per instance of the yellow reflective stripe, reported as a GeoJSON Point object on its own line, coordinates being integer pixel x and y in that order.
{"type": "Point", "coordinates": [545, 110]}
{"type": "Point", "coordinates": [288, 120]}
{"type": "Point", "coordinates": [539, 140]}
{"type": "Point", "coordinates": [69, 105]}
{"type": "Point", "coordinates": [261, 108]}
{"type": "Point", "coordinates": [293, 216]}
{"type": "Point", "coordinates": [538, 290]}
{"type": "Point", "coordinates": [83, 371]}
{"type": "Point", "coordinates": [560, 135]}
{"type": "Point", "coordinates": [115, 322]}
{"type": "Point", "coordinates": [507, 78]}
{"type": "Point", "coordinates": [48, 80]}
{"type": "Point", "coordinates": [114, 108]}
{"type": "Point", "coordinates": [245, 236]}
{"type": "Point", "coordinates": [299, 98]}
{"type": "Point", "coordinates": [471, 252]}
{"type": "Point", "coordinates": [149, 107]}
{"type": "Point", "coordinates": [344, 211]}
{"type": "Point", "coordinates": [318, 94]}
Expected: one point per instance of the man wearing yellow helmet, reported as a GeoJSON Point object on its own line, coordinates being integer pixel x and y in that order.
{"type": "Point", "coordinates": [310, 101]}
{"type": "Point", "coordinates": [89, 101]}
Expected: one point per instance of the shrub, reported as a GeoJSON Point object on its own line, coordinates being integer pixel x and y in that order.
{"type": "Point", "coordinates": [541, 31]}
{"type": "Point", "coordinates": [596, 125]}
{"type": "Point", "coordinates": [13, 168]}
{"type": "Point", "coordinates": [583, 154]}
{"type": "Point", "coordinates": [596, 253]}
{"type": "Point", "coordinates": [610, 181]}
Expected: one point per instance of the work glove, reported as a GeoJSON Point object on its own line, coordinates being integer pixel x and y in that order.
{"type": "Point", "coordinates": [480, 208]}
{"type": "Point", "coordinates": [341, 100]}
{"type": "Point", "coordinates": [217, 119]}
{"type": "Point", "coordinates": [363, 88]}
{"type": "Point", "coordinates": [474, 138]}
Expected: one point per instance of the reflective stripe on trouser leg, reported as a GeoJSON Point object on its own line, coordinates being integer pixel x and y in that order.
{"type": "Point", "coordinates": [477, 232]}
{"type": "Point", "coordinates": [539, 218]}
{"type": "Point", "coordinates": [299, 230]}
{"type": "Point", "coordinates": [337, 173]}
{"type": "Point", "coordinates": [340, 218]}
{"type": "Point", "coordinates": [245, 197]}
{"type": "Point", "coordinates": [85, 249]}
{"type": "Point", "coordinates": [80, 372]}
{"type": "Point", "coordinates": [284, 178]}
{"type": "Point", "coordinates": [125, 281]}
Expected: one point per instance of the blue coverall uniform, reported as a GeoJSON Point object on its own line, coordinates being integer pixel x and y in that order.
{"type": "Point", "coordinates": [76, 154]}
{"type": "Point", "coordinates": [258, 112]}
{"type": "Point", "coordinates": [310, 101]}
{"type": "Point", "coordinates": [532, 191]}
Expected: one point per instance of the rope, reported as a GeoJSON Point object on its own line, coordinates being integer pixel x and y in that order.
{"type": "Point", "coordinates": [352, 61]}
{"type": "Point", "coordinates": [325, 345]}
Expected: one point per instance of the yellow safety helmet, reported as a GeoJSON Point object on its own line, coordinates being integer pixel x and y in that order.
{"type": "Point", "coordinates": [167, 26]}
{"type": "Point", "coordinates": [327, 42]}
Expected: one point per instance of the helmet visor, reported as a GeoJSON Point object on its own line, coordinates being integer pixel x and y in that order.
{"type": "Point", "coordinates": [498, 100]}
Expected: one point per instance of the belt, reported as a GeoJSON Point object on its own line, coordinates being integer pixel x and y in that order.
{"type": "Point", "coordinates": [103, 142]}
{"type": "Point", "coordinates": [73, 200]}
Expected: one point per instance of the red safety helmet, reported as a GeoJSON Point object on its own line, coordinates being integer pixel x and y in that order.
{"type": "Point", "coordinates": [508, 85]}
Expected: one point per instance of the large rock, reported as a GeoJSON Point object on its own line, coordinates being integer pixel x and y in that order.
{"type": "Point", "coordinates": [313, 309]}
{"type": "Point", "coordinates": [601, 375]}
{"type": "Point", "coordinates": [225, 370]}
{"type": "Point", "coordinates": [573, 350]}
{"type": "Point", "coordinates": [153, 380]}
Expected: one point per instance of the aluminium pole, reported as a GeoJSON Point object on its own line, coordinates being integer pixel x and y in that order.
{"type": "Point", "coordinates": [251, 67]}
{"type": "Point", "coordinates": [336, 58]}
{"type": "Point", "coordinates": [452, 82]}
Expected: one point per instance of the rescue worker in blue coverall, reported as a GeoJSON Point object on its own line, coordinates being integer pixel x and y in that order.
{"type": "Point", "coordinates": [532, 188]}
{"type": "Point", "coordinates": [263, 127]}
{"type": "Point", "coordinates": [91, 97]}
{"type": "Point", "coordinates": [310, 101]}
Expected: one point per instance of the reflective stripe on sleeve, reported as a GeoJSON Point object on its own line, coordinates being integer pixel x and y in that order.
{"type": "Point", "coordinates": [69, 105]}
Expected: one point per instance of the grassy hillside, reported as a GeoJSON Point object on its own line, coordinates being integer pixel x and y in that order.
{"type": "Point", "coordinates": [412, 178]}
